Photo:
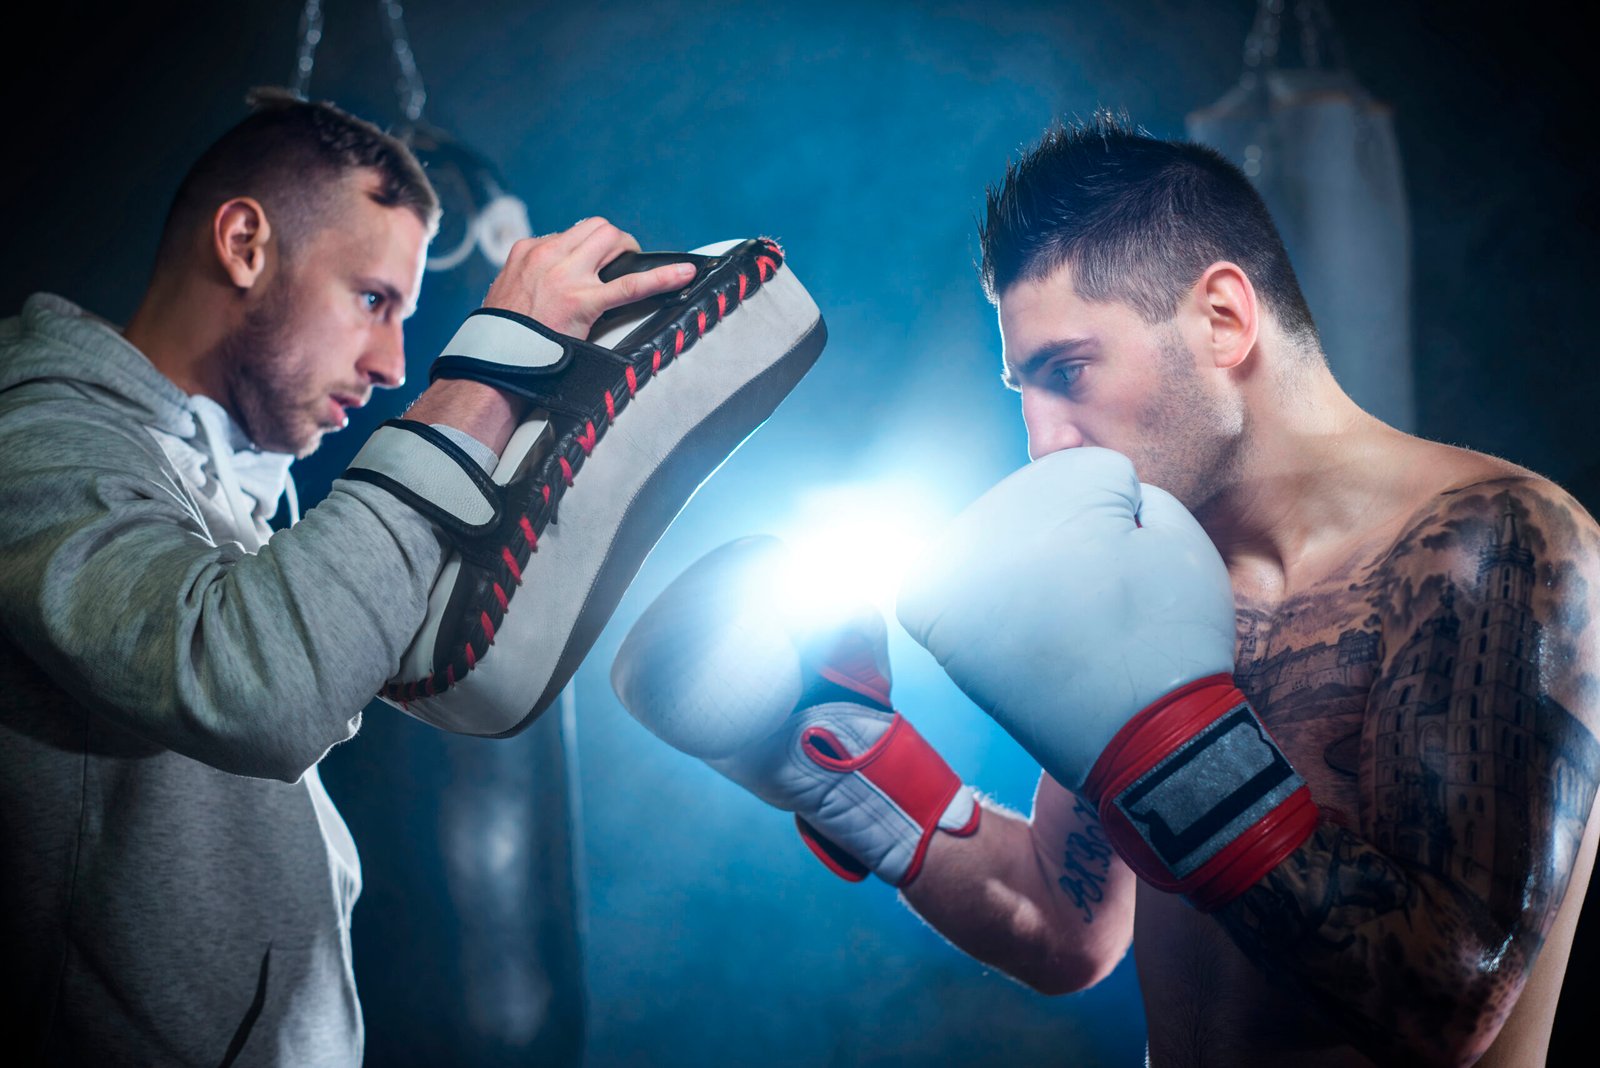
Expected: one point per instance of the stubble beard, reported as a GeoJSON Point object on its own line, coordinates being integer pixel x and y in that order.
{"type": "Point", "coordinates": [1196, 440]}
{"type": "Point", "coordinates": [265, 381]}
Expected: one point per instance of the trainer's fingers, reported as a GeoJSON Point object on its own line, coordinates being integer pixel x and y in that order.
{"type": "Point", "coordinates": [632, 287]}
{"type": "Point", "coordinates": [599, 247]}
{"type": "Point", "coordinates": [574, 236]}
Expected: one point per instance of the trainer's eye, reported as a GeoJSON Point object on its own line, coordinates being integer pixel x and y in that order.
{"type": "Point", "coordinates": [371, 301]}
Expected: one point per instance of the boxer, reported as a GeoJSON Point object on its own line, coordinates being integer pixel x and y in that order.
{"type": "Point", "coordinates": [1316, 717]}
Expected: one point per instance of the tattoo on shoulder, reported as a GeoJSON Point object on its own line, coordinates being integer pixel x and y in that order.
{"type": "Point", "coordinates": [1441, 716]}
{"type": "Point", "coordinates": [1086, 861]}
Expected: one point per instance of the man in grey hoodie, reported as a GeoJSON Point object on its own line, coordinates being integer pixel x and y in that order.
{"type": "Point", "coordinates": [175, 886]}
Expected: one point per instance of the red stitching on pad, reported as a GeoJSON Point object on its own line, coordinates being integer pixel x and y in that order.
{"type": "Point", "coordinates": [511, 562]}
{"type": "Point", "coordinates": [587, 440]}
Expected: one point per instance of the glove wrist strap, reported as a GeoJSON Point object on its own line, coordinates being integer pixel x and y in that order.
{"type": "Point", "coordinates": [923, 794]}
{"type": "Point", "coordinates": [1197, 797]}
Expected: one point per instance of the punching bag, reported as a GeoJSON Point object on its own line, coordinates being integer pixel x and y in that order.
{"type": "Point", "coordinates": [1322, 153]}
{"type": "Point", "coordinates": [508, 838]}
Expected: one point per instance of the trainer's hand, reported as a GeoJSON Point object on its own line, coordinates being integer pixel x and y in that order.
{"type": "Point", "coordinates": [556, 278]}
{"type": "Point", "coordinates": [797, 714]}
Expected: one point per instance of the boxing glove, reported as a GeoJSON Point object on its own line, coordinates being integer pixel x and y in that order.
{"type": "Point", "coordinates": [1093, 619]}
{"type": "Point", "coordinates": [796, 712]}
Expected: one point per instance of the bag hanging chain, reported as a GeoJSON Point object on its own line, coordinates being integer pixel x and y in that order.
{"type": "Point", "coordinates": [1320, 45]}
{"type": "Point", "coordinates": [408, 85]}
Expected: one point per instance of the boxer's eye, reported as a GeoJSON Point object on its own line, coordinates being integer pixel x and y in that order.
{"type": "Point", "coordinates": [1066, 376]}
{"type": "Point", "coordinates": [372, 301]}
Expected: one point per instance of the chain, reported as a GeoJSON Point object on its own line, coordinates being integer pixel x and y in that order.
{"type": "Point", "coordinates": [409, 84]}
{"type": "Point", "coordinates": [306, 55]}
{"type": "Point", "coordinates": [1320, 44]}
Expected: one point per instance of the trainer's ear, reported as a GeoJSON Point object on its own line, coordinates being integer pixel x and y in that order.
{"type": "Point", "coordinates": [239, 236]}
{"type": "Point", "coordinates": [1224, 314]}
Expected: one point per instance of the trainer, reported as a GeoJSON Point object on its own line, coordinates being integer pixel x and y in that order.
{"type": "Point", "coordinates": [175, 886]}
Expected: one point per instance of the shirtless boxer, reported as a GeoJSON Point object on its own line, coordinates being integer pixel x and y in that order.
{"type": "Point", "coordinates": [1413, 623]}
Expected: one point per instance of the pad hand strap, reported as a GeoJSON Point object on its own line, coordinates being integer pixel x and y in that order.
{"type": "Point", "coordinates": [867, 790]}
{"type": "Point", "coordinates": [1196, 796]}
{"type": "Point", "coordinates": [432, 474]}
{"type": "Point", "coordinates": [520, 355]}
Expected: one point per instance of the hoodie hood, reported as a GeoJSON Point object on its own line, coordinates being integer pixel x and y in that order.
{"type": "Point", "coordinates": [55, 340]}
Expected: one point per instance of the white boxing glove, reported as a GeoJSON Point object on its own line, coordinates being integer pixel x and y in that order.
{"type": "Point", "coordinates": [1092, 617]}
{"type": "Point", "coordinates": [798, 714]}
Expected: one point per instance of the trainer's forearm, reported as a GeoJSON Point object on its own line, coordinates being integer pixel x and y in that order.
{"type": "Point", "coordinates": [472, 407]}
{"type": "Point", "coordinates": [1057, 916]}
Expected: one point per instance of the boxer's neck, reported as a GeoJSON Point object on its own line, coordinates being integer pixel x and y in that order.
{"type": "Point", "coordinates": [1314, 472]}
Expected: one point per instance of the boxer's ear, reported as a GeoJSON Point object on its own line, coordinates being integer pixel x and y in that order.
{"type": "Point", "coordinates": [239, 237]}
{"type": "Point", "coordinates": [1227, 315]}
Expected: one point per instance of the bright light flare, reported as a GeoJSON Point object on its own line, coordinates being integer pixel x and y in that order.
{"type": "Point", "coordinates": [837, 564]}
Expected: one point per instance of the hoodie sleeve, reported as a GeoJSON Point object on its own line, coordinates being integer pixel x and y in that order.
{"type": "Point", "coordinates": [253, 664]}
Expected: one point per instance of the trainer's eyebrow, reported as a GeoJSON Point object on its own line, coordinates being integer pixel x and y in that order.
{"type": "Point", "coordinates": [1013, 375]}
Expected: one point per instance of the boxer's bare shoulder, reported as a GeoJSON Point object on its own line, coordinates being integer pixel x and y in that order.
{"type": "Point", "coordinates": [1440, 692]}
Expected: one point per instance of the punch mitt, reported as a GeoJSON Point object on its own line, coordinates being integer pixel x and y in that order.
{"type": "Point", "coordinates": [623, 427]}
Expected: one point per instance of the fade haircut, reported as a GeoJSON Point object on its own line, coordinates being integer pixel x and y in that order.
{"type": "Point", "coordinates": [289, 153]}
{"type": "Point", "coordinates": [1137, 219]}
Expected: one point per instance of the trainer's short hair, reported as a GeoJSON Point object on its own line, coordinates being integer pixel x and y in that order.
{"type": "Point", "coordinates": [287, 154]}
{"type": "Point", "coordinates": [1137, 219]}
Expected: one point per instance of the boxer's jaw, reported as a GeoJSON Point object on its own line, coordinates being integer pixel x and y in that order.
{"type": "Point", "coordinates": [1096, 373]}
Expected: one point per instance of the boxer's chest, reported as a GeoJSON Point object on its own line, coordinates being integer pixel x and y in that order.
{"type": "Point", "coordinates": [1308, 664]}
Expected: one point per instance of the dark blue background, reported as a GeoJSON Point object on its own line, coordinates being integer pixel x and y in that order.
{"type": "Point", "coordinates": [861, 136]}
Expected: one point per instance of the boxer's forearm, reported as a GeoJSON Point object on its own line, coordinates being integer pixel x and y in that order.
{"type": "Point", "coordinates": [1410, 966]}
{"type": "Point", "coordinates": [1056, 915]}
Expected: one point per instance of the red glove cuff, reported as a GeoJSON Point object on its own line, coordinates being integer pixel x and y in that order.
{"type": "Point", "coordinates": [1196, 796]}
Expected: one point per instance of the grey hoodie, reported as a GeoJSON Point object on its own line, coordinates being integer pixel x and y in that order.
{"type": "Point", "coordinates": [175, 886]}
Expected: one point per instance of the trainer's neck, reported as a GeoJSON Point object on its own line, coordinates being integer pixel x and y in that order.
{"type": "Point", "coordinates": [178, 326]}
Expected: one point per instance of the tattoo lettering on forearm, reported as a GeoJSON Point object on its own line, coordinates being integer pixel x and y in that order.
{"type": "Point", "coordinates": [1086, 862]}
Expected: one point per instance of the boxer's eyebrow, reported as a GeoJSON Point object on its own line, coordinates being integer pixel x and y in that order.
{"type": "Point", "coordinates": [1014, 376]}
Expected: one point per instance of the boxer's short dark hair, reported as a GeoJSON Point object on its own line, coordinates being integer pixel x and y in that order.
{"type": "Point", "coordinates": [1137, 219]}
{"type": "Point", "coordinates": [288, 153]}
